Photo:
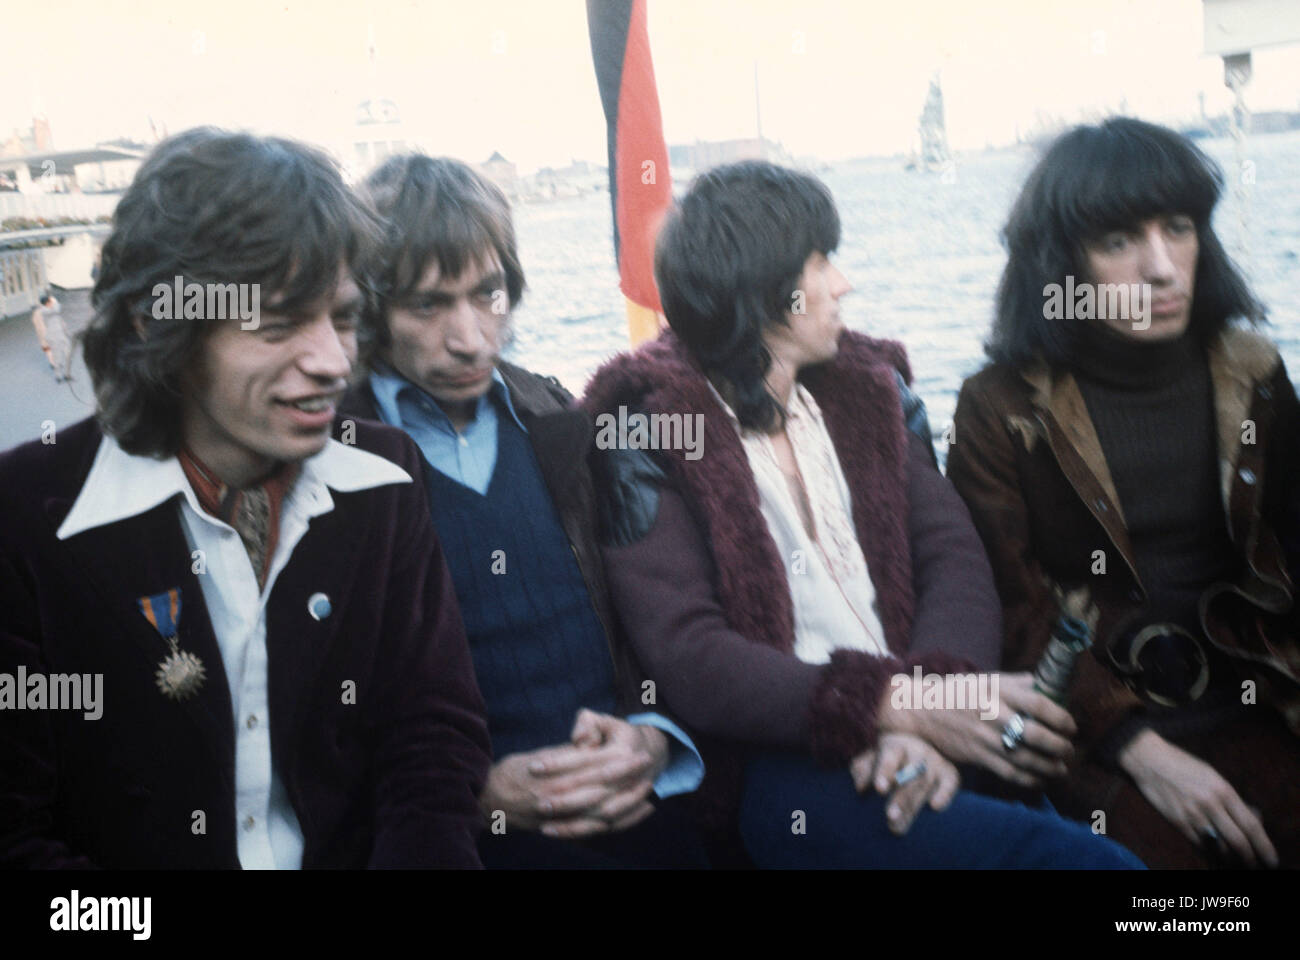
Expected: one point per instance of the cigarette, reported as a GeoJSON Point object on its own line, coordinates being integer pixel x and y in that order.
{"type": "Point", "coordinates": [909, 773]}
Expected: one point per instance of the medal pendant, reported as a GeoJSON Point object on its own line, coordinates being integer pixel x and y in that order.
{"type": "Point", "coordinates": [181, 675]}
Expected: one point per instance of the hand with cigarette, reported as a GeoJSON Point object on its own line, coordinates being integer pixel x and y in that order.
{"type": "Point", "coordinates": [910, 772]}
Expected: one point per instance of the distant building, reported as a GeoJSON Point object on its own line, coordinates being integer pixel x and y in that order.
{"type": "Point", "coordinates": [703, 155]}
{"type": "Point", "coordinates": [1267, 121]}
{"type": "Point", "coordinates": [1274, 121]}
{"type": "Point", "coordinates": [556, 183]}
{"type": "Point", "coordinates": [377, 134]}
{"type": "Point", "coordinates": [101, 169]}
{"type": "Point", "coordinates": [37, 139]}
{"type": "Point", "coordinates": [501, 172]}
{"type": "Point", "coordinates": [377, 131]}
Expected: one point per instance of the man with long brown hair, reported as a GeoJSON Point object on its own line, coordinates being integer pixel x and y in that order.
{"type": "Point", "coordinates": [795, 587]}
{"type": "Point", "coordinates": [284, 672]}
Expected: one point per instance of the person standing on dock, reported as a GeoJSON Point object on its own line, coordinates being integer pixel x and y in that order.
{"type": "Point", "coordinates": [52, 335]}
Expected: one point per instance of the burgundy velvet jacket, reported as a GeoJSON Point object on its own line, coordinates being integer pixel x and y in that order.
{"type": "Point", "coordinates": [389, 780]}
{"type": "Point", "coordinates": [704, 595]}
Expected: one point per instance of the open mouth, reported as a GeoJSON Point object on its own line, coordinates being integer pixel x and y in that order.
{"type": "Point", "coordinates": [313, 405]}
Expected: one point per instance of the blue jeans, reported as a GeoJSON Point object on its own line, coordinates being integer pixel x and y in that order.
{"type": "Point", "coordinates": [847, 830]}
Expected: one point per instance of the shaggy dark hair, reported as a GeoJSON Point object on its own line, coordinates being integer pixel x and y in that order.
{"type": "Point", "coordinates": [208, 206]}
{"type": "Point", "coordinates": [1092, 180]}
{"type": "Point", "coordinates": [433, 211]}
{"type": "Point", "coordinates": [727, 264]}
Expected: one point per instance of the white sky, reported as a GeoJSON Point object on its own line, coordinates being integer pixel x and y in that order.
{"type": "Point", "coordinates": [839, 78]}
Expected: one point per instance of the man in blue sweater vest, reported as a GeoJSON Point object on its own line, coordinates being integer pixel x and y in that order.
{"type": "Point", "coordinates": [580, 753]}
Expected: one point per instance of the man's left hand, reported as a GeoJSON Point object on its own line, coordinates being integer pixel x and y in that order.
{"type": "Point", "coordinates": [930, 778]}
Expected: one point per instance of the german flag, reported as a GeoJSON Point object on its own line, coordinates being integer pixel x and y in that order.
{"type": "Point", "coordinates": [640, 188]}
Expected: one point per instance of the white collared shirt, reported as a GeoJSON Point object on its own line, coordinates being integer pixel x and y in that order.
{"type": "Point", "coordinates": [121, 485]}
{"type": "Point", "coordinates": [834, 598]}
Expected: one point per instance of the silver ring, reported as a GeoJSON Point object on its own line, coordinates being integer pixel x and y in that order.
{"type": "Point", "coordinates": [1013, 734]}
{"type": "Point", "coordinates": [1209, 833]}
{"type": "Point", "coordinates": [909, 773]}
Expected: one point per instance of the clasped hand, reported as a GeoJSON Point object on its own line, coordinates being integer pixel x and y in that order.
{"type": "Point", "coordinates": [599, 782]}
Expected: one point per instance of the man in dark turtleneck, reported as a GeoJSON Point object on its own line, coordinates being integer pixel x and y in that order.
{"type": "Point", "coordinates": [1148, 454]}
{"type": "Point", "coordinates": [1150, 398]}
{"type": "Point", "coordinates": [1152, 405]}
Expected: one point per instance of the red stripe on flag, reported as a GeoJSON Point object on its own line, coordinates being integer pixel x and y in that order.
{"type": "Point", "coordinates": [644, 184]}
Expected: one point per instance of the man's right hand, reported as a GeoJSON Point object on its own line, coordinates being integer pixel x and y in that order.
{"type": "Point", "coordinates": [963, 736]}
{"type": "Point", "coordinates": [1191, 795]}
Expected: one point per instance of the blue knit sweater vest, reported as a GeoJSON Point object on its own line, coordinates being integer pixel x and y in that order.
{"type": "Point", "coordinates": [539, 650]}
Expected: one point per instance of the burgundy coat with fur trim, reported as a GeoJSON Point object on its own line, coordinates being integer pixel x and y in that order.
{"type": "Point", "coordinates": [704, 595]}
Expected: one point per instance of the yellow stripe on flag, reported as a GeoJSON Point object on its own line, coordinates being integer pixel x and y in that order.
{"type": "Point", "coordinates": [642, 323]}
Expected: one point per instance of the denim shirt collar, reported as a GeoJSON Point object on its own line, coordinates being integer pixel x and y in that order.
{"type": "Point", "coordinates": [389, 387]}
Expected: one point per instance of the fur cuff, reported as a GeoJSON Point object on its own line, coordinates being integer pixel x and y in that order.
{"type": "Point", "coordinates": [846, 704]}
{"type": "Point", "coordinates": [936, 661]}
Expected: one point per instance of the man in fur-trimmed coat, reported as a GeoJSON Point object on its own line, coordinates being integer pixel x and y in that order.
{"type": "Point", "coordinates": [788, 576]}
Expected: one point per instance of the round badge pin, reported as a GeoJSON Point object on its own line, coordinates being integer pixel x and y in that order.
{"type": "Point", "coordinates": [318, 605]}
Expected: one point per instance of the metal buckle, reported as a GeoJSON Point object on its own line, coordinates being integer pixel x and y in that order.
{"type": "Point", "coordinates": [1195, 656]}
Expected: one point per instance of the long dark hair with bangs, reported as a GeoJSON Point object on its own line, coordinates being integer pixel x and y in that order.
{"type": "Point", "coordinates": [1092, 180]}
{"type": "Point", "coordinates": [433, 210]}
{"type": "Point", "coordinates": [208, 206]}
{"type": "Point", "coordinates": [727, 264]}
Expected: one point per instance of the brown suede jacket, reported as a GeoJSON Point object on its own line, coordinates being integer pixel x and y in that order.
{"type": "Point", "coordinates": [1029, 464]}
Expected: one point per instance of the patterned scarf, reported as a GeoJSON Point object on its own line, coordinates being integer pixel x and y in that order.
{"type": "Point", "coordinates": [253, 511]}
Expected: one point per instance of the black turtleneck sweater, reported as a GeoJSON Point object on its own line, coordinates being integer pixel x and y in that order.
{"type": "Point", "coordinates": [1153, 407]}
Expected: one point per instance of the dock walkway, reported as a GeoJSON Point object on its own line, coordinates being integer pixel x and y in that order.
{"type": "Point", "coordinates": [29, 395]}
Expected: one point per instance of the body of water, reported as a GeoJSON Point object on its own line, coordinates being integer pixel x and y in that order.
{"type": "Point", "coordinates": [923, 255]}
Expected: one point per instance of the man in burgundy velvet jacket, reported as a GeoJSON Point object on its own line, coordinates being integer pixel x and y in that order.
{"type": "Point", "coordinates": [227, 639]}
{"type": "Point", "coordinates": [793, 570]}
